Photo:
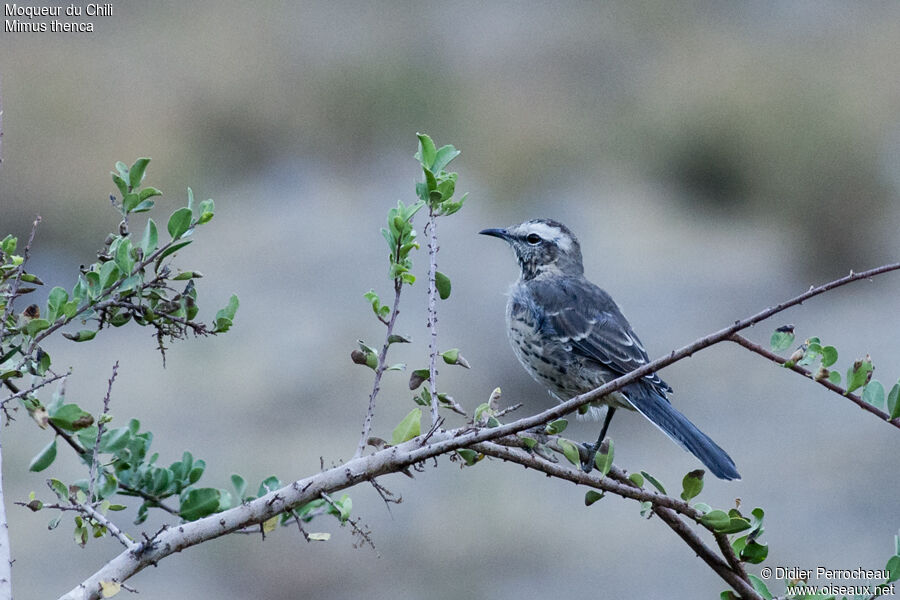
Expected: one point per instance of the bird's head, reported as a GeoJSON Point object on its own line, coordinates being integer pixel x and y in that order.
{"type": "Point", "coordinates": [542, 246]}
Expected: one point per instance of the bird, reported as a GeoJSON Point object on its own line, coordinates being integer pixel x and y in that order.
{"type": "Point", "coordinates": [571, 337]}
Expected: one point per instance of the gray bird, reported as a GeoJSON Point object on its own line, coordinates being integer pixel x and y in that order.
{"type": "Point", "coordinates": [571, 337]}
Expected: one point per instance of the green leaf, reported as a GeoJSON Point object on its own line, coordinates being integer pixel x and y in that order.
{"type": "Point", "coordinates": [735, 525]}
{"type": "Point", "coordinates": [469, 456]}
{"type": "Point", "coordinates": [716, 519]}
{"type": "Point", "coordinates": [120, 183]}
{"type": "Point", "coordinates": [150, 239]}
{"type": "Point", "coordinates": [754, 552]}
{"type": "Point", "coordinates": [443, 157]}
{"type": "Point", "coordinates": [60, 489]}
{"type": "Point", "coordinates": [858, 373]}
{"type": "Point", "coordinates": [148, 192]}
{"type": "Point", "coordinates": [71, 418]}
{"type": "Point", "coordinates": [225, 316]}
{"type": "Point", "coordinates": [44, 458]}
{"type": "Point", "coordinates": [36, 326]}
{"type": "Point", "coordinates": [555, 427]}
{"type": "Point", "coordinates": [873, 393]}
{"type": "Point", "coordinates": [84, 335]}
{"type": "Point", "coordinates": [893, 569]}
{"type": "Point", "coordinates": [829, 356]}
{"type": "Point", "coordinates": [199, 503]}
{"type": "Point", "coordinates": [171, 250]}
{"type": "Point", "coordinates": [240, 486]}
{"type": "Point", "coordinates": [136, 172]}
{"type": "Point", "coordinates": [637, 479]}
{"type": "Point", "coordinates": [442, 283]}
{"type": "Point", "coordinates": [654, 482]}
{"type": "Point", "coordinates": [692, 485]}
{"type": "Point", "coordinates": [408, 428]}
{"type": "Point", "coordinates": [427, 151]}
{"type": "Point", "coordinates": [727, 595]}
{"type": "Point", "coordinates": [130, 201]}
{"type": "Point", "coordinates": [570, 451]}
{"type": "Point", "coordinates": [123, 257]}
{"type": "Point", "coordinates": [603, 461]}
{"type": "Point", "coordinates": [592, 496]}
{"type": "Point", "coordinates": [207, 211]}
{"type": "Point", "coordinates": [108, 275]}
{"type": "Point", "coordinates": [56, 302]}
{"type": "Point", "coordinates": [781, 340]}
{"type": "Point", "coordinates": [893, 401]}
{"type": "Point", "coordinates": [834, 377]}
{"type": "Point", "coordinates": [179, 222]}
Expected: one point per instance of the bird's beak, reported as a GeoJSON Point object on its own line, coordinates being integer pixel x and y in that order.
{"type": "Point", "coordinates": [495, 232]}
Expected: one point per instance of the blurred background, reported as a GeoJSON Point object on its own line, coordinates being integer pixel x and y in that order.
{"type": "Point", "coordinates": [714, 159]}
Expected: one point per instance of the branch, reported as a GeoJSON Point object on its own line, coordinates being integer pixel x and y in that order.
{"type": "Point", "coordinates": [379, 370]}
{"type": "Point", "coordinates": [665, 507]}
{"type": "Point", "coordinates": [401, 457]}
{"type": "Point", "coordinates": [742, 341]}
{"type": "Point", "coordinates": [432, 312]}
{"type": "Point", "coordinates": [5, 550]}
{"type": "Point", "coordinates": [100, 427]}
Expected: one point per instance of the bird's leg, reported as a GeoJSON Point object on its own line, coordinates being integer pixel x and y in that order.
{"type": "Point", "coordinates": [593, 448]}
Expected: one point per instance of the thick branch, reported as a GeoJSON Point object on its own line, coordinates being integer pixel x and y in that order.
{"type": "Point", "coordinates": [741, 340]}
{"type": "Point", "coordinates": [432, 313]}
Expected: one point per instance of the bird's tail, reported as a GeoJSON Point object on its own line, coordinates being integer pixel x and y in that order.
{"type": "Point", "coordinates": [661, 413]}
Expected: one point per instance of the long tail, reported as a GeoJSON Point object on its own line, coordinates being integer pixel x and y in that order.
{"type": "Point", "coordinates": [661, 413]}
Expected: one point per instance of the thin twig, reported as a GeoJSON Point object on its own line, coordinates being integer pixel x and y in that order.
{"type": "Point", "coordinates": [753, 347]}
{"type": "Point", "coordinates": [92, 513]}
{"type": "Point", "coordinates": [34, 388]}
{"type": "Point", "coordinates": [432, 313]}
{"type": "Point", "coordinates": [101, 425]}
{"type": "Point", "coordinates": [379, 370]}
{"type": "Point", "coordinates": [363, 535]}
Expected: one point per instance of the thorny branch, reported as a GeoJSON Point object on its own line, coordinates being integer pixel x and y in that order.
{"type": "Point", "coordinates": [379, 370]}
{"type": "Point", "coordinates": [742, 341]}
{"type": "Point", "coordinates": [432, 312]}
{"type": "Point", "coordinates": [414, 452]}
{"type": "Point", "coordinates": [101, 425]}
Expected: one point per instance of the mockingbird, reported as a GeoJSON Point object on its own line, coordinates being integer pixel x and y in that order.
{"type": "Point", "coordinates": [571, 337]}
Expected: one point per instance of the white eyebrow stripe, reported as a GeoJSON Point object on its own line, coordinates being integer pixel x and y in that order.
{"type": "Point", "coordinates": [551, 233]}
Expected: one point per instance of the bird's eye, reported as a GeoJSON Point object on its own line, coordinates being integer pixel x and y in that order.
{"type": "Point", "coordinates": [533, 239]}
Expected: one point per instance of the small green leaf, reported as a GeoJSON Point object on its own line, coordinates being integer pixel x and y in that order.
{"type": "Point", "coordinates": [654, 482]}
{"type": "Point", "coordinates": [727, 595]}
{"type": "Point", "coordinates": [148, 192]}
{"type": "Point", "coordinates": [893, 569]}
{"type": "Point", "coordinates": [716, 519]}
{"type": "Point", "coordinates": [56, 302]}
{"type": "Point", "coordinates": [782, 340]}
{"type": "Point", "coordinates": [84, 335]}
{"type": "Point", "coordinates": [71, 418]}
{"type": "Point", "coordinates": [442, 283]}
{"type": "Point", "coordinates": [592, 496]}
{"type": "Point", "coordinates": [570, 451]}
{"type": "Point", "coordinates": [150, 239]}
{"type": "Point", "coordinates": [829, 356]}
{"type": "Point", "coordinates": [873, 393]}
{"type": "Point", "coordinates": [240, 486]}
{"type": "Point", "coordinates": [834, 377]}
{"type": "Point", "coordinates": [409, 427]}
{"type": "Point", "coordinates": [179, 222]}
{"type": "Point", "coordinates": [469, 456]}
{"type": "Point", "coordinates": [529, 443]}
{"type": "Point", "coordinates": [60, 489]}
{"type": "Point", "coordinates": [637, 479]}
{"type": "Point", "coordinates": [199, 503]}
{"type": "Point", "coordinates": [692, 485]}
{"type": "Point", "coordinates": [120, 184]}
{"type": "Point", "coordinates": [136, 172]}
{"type": "Point", "coordinates": [36, 326]}
{"type": "Point", "coordinates": [427, 151]}
{"type": "Point", "coordinates": [207, 211]}
{"type": "Point", "coordinates": [556, 427]}
{"type": "Point", "coordinates": [603, 461]}
{"type": "Point", "coordinates": [44, 458]}
{"type": "Point", "coordinates": [754, 552]}
{"type": "Point", "coordinates": [893, 401]}
{"type": "Point", "coordinates": [858, 373]}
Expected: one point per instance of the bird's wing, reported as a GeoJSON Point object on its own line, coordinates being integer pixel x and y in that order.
{"type": "Point", "coordinates": [580, 314]}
